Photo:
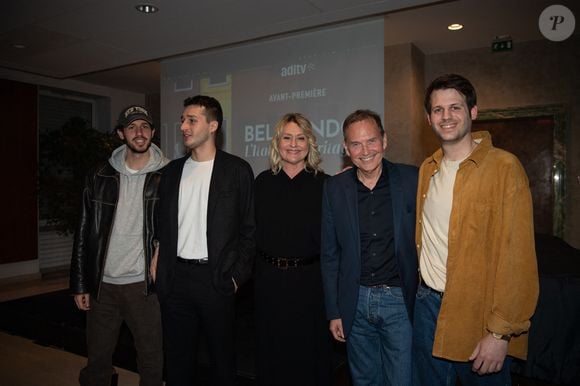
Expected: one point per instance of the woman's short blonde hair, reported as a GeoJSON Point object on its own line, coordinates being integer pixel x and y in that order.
{"type": "Point", "coordinates": [312, 161]}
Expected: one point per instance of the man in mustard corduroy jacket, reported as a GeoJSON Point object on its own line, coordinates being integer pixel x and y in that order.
{"type": "Point", "coordinates": [475, 240]}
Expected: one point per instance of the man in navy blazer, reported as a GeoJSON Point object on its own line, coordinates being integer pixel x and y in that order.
{"type": "Point", "coordinates": [205, 230]}
{"type": "Point", "coordinates": [368, 255]}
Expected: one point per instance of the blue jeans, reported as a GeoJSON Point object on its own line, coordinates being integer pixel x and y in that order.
{"type": "Point", "coordinates": [431, 371]}
{"type": "Point", "coordinates": [379, 343]}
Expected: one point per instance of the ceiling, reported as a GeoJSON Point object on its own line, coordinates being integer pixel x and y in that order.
{"type": "Point", "coordinates": [107, 42]}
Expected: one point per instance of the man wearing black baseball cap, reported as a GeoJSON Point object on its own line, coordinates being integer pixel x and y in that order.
{"type": "Point", "coordinates": [112, 252]}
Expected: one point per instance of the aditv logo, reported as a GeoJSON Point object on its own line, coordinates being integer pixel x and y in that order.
{"type": "Point", "coordinates": [297, 69]}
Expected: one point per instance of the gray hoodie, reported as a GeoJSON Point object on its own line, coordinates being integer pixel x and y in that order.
{"type": "Point", "coordinates": [125, 262]}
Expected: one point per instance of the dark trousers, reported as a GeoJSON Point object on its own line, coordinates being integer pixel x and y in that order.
{"type": "Point", "coordinates": [293, 344]}
{"type": "Point", "coordinates": [194, 307]}
{"type": "Point", "coordinates": [118, 303]}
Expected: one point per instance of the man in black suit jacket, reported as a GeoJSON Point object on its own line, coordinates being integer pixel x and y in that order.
{"type": "Point", "coordinates": [368, 256]}
{"type": "Point", "coordinates": [206, 246]}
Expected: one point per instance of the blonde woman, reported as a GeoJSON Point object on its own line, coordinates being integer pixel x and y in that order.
{"type": "Point", "coordinates": [293, 342]}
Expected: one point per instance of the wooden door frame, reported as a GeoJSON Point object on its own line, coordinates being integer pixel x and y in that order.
{"type": "Point", "coordinates": [560, 116]}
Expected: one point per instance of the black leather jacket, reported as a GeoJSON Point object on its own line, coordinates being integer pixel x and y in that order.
{"type": "Point", "coordinates": [99, 201]}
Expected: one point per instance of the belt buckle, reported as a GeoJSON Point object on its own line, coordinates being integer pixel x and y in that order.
{"type": "Point", "coordinates": [282, 263]}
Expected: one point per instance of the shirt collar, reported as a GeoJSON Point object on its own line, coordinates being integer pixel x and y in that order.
{"type": "Point", "coordinates": [384, 171]}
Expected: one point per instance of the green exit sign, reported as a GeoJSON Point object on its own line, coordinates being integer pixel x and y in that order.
{"type": "Point", "coordinates": [502, 45]}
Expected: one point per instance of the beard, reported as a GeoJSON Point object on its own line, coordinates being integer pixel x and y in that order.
{"type": "Point", "coordinates": [138, 149]}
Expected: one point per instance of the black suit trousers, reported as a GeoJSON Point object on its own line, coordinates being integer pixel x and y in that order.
{"type": "Point", "coordinates": [192, 308]}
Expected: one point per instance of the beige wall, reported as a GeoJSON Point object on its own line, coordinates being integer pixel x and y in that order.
{"type": "Point", "coordinates": [533, 74]}
{"type": "Point", "coordinates": [404, 117]}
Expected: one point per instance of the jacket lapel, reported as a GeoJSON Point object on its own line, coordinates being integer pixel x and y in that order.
{"type": "Point", "coordinates": [396, 201]}
{"type": "Point", "coordinates": [214, 186]}
{"type": "Point", "coordinates": [352, 206]}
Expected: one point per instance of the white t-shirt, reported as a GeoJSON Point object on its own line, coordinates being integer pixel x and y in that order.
{"type": "Point", "coordinates": [435, 225]}
{"type": "Point", "coordinates": [192, 216]}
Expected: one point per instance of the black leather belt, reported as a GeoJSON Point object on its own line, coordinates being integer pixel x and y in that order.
{"type": "Point", "coordinates": [381, 286]}
{"type": "Point", "coordinates": [439, 293]}
{"type": "Point", "coordinates": [288, 262]}
{"type": "Point", "coordinates": [192, 261]}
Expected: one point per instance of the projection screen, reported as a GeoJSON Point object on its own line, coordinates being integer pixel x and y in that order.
{"type": "Point", "coordinates": [324, 74]}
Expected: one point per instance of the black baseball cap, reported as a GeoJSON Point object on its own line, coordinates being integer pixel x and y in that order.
{"type": "Point", "coordinates": [133, 113]}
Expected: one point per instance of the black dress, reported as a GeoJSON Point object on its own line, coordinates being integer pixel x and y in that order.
{"type": "Point", "coordinates": [293, 340]}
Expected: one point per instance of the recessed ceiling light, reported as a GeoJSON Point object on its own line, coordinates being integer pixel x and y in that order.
{"type": "Point", "coordinates": [147, 8]}
{"type": "Point", "coordinates": [455, 27]}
